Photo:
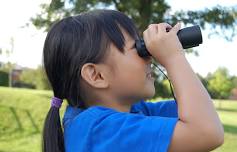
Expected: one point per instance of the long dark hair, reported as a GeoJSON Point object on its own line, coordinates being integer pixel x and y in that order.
{"type": "Point", "coordinates": [70, 43]}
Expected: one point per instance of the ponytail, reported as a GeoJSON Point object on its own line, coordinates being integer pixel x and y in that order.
{"type": "Point", "coordinates": [53, 140]}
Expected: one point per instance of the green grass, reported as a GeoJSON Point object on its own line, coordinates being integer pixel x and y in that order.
{"type": "Point", "coordinates": [22, 113]}
{"type": "Point", "coordinates": [16, 129]}
{"type": "Point", "coordinates": [228, 114]}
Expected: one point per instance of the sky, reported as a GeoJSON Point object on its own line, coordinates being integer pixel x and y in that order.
{"type": "Point", "coordinates": [28, 41]}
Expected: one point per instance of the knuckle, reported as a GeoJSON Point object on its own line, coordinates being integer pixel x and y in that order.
{"type": "Point", "coordinates": [152, 25]}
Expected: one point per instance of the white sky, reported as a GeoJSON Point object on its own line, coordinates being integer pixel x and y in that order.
{"type": "Point", "coordinates": [28, 42]}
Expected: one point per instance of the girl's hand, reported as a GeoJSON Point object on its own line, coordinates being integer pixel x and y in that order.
{"type": "Point", "coordinates": [162, 45]}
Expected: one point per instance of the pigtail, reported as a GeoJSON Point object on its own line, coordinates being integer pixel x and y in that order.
{"type": "Point", "coordinates": [53, 140]}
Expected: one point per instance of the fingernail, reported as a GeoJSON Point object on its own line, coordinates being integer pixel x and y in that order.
{"type": "Point", "coordinates": [179, 24]}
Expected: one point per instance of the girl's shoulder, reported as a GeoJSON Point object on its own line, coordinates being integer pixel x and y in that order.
{"type": "Point", "coordinates": [93, 113]}
{"type": "Point", "coordinates": [102, 127]}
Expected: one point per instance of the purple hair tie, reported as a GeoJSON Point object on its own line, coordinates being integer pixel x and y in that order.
{"type": "Point", "coordinates": [56, 102]}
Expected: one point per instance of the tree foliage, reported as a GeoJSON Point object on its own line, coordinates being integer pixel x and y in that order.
{"type": "Point", "coordinates": [234, 81]}
{"type": "Point", "coordinates": [35, 78]}
{"type": "Point", "coordinates": [4, 78]}
{"type": "Point", "coordinates": [220, 84]}
{"type": "Point", "coordinates": [143, 12]}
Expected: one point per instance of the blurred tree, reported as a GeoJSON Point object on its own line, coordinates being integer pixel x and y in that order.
{"type": "Point", "coordinates": [219, 19]}
{"type": "Point", "coordinates": [43, 82]}
{"type": "Point", "coordinates": [6, 67]}
{"type": "Point", "coordinates": [220, 84]}
{"type": "Point", "coordinates": [163, 89]}
{"type": "Point", "coordinates": [234, 81]}
{"type": "Point", "coordinates": [35, 78]}
{"type": "Point", "coordinates": [4, 78]}
{"type": "Point", "coordinates": [143, 12]}
{"type": "Point", "coordinates": [29, 76]}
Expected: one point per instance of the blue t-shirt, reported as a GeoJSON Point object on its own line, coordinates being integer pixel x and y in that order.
{"type": "Point", "coordinates": [148, 127]}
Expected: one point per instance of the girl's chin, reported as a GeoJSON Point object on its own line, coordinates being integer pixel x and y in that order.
{"type": "Point", "coordinates": [150, 93]}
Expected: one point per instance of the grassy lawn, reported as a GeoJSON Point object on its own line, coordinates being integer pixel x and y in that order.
{"type": "Point", "coordinates": [228, 114]}
{"type": "Point", "coordinates": [22, 112]}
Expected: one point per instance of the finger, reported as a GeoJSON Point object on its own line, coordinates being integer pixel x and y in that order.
{"type": "Point", "coordinates": [164, 27]}
{"type": "Point", "coordinates": [152, 29]}
{"type": "Point", "coordinates": [176, 28]}
{"type": "Point", "coordinates": [145, 34]}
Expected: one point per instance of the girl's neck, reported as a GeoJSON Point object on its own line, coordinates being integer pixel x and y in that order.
{"type": "Point", "coordinates": [113, 105]}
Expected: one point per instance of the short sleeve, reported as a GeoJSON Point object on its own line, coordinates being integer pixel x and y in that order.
{"type": "Point", "coordinates": [166, 108]}
{"type": "Point", "coordinates": [132, 133]}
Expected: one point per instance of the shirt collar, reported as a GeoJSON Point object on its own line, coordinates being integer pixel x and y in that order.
{"type": "Point", "coordinates": [72, 112]}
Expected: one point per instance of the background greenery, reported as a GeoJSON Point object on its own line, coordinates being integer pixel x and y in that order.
{"type": "Point", "coordinates": [219, 83]}
{"type": "Point", "coordinates": [22, 113]}
{"type": "Point", "coordinates": [143, 12]}
{"type": "Point", "coordinates": [218, 20]}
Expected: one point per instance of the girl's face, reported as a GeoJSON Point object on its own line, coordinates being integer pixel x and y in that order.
{"type": "Point", "coordinates": [130, 76]}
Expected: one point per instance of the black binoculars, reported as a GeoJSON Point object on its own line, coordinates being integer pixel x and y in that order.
{"type": "Point", "coordinates": [189, 37]}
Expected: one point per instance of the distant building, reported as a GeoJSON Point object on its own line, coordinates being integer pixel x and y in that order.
{"type": "Point", "coordinates": [233, 94]}
{"type": "Point", "coordinates": [15, 78]}
{"type": "Point", "coordinates": [15, 75]}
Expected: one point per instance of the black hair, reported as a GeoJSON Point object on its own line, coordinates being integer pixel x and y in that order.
{"type": "Point", "coordinates": [70, 43]}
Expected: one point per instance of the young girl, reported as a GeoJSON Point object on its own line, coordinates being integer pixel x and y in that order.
{"type": "Point", "coordinates": [91, 62]}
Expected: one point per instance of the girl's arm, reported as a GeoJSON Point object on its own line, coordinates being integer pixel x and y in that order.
{"type": "Point", "coordinates": [199, 128]}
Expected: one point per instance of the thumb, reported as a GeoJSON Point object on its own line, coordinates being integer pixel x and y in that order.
{"type": "Point", "coordinates": [176, 28]}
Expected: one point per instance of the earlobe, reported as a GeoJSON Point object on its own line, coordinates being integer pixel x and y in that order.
{"type": "Point", "coordinates": [94, 76]}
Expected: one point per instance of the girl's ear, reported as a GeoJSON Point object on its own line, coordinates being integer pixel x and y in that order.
{"type": "Point", "coordinates": [94, 75]}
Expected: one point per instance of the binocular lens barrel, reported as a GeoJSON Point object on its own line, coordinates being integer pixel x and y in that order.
{"type": "Point", "coordinates": [189, 37]}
